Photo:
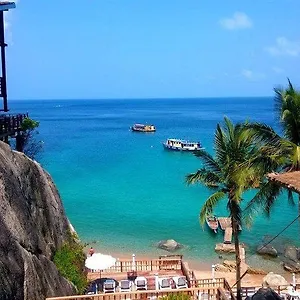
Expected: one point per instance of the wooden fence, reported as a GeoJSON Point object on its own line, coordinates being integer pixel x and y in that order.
{"type": "Point", "coordinates": [194, 293]}
{"type": "Point", "coordinates": [10, 124]}
{"type": "Point", "coordinates": [166, 263]}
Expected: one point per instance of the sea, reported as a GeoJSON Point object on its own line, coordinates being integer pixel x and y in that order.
{"type": "Point", "coordinates": [124, 193]}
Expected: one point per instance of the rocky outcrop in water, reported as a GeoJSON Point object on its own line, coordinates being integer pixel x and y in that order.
{"type": "Point", "coordinates": [169, 245]}
{"type": "Point", "coordinates": [33, 226]}
{"type": "Point", "coordinates": [267, 250]}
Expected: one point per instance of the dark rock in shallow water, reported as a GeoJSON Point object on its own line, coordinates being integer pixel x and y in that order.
{"type": "Point", "coordinates": [169, 245]}
{"type": "Point", "coordinates": [267, 250]}
{"type": "Point", "coordinates": [33, 226]}
{"type": "Point", "coordinates": [291, 266]}
{"type": "Point", "coordinates": [292, 253]}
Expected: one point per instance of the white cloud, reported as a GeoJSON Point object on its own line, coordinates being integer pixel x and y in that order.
{"type": "Point", "coordinates": [283, 46]}
{"type": "Point", "coordinates": [239, 20]}
{"type": "Point", "coordinates": [277, 70]}
{"type": "Point", "coordinates": [253, 76]}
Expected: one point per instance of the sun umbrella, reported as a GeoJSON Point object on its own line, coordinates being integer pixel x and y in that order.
{"type": "Point", "coordinates": [99, 262]}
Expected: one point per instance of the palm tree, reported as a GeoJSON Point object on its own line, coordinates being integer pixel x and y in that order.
{"type": "Point", "coordinates": [279, 153]}
{"type": "Point", "coordinates": [228, 175]}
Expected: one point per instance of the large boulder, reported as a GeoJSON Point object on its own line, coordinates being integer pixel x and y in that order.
{"type": "Point", "coordinates": [292, 253]}
{"type": "Point", "coordinates": [268, 250]}
{"type": "Point", "coordinates": [169, 245]}
{"type": "Point", "coordinates": [291, 266]}
{"type": "Point", "coordinates": [33, 225]}
{"type": "Point", "coordinates": [274, 280]}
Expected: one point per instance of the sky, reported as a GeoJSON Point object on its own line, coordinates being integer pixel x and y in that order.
{"type": "Point", "coordinates": [93, 49]}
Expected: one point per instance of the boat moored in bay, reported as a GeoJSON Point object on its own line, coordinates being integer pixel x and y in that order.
{"type": "Point", "coordinates": [212, 223]}
{"type": "Point", "coordinates": [143, 128]}
{"type": "Point", "coordinates": [182, 145]}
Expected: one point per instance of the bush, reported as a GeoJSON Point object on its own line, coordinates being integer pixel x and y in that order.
{"type": "Point", "coordinates": [177, 297]}
{"type": "Point", "coordinates": [69, 260]}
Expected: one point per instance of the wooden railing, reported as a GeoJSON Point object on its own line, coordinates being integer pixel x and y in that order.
{"type": "Point", "coordinates": [194, 293]}
{"type": "Point", "coordinates": [10, 124]}
{"type": "Point", "coordinates": [167, 263]}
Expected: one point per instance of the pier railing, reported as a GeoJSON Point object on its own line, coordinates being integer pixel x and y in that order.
{"type": "Point", "coordinates": [10, 124]}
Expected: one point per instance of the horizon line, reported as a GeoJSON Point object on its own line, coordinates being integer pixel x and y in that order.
{"type": "Point", "coordinates": [150, 98]}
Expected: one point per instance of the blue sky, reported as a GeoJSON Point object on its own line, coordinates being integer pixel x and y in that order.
{"type": "Point", "coordinates": [151, 48]}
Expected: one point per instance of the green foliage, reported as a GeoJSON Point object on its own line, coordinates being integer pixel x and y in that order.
{"type": "Point", "coordinates": [29, 124]}
{"type": "Point", "coordinates": [180, 296]}
{"type": "Point", "coordinates": [69, 260]}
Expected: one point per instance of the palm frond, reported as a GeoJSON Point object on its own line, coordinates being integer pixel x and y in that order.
{"type": "Point", "coordinates": [210, 203]}
{"type": "Point", "coordinates": [290, 197]}
{"type": "Point", "coordinates": [204, 176]}
{"type": "Point", "coordinates": [263, 199]}
{"type": "Point", "coordinates": [208, 161]}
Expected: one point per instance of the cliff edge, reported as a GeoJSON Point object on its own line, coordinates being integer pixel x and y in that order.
{"type": "Point", "coordinates": [33, 225]}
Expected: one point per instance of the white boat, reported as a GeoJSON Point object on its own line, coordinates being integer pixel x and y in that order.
{"type": "Point", "coordinates": [212, 223]}
{"type": "Point", "coordinates": [182, 145]}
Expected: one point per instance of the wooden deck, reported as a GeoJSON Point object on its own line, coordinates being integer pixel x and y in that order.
{"type": "Point", "coordinates": [228, 235]}
{"type": "Point", "coordinates": [165, 266]}
{"type": "Point", "coordinates": [10, 124]}
{"type": "Point", "coordinates": [194, 293]}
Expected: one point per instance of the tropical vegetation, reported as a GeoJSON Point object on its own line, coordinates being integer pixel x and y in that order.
{"type": "Point", "coordinates": [26, 139]}
{"type": "Point", "coordinates": [229, 174]}
{"type": "Point", "coordinates": [280, 152]}
{"type": "Point", "coordinates": [70, 260]}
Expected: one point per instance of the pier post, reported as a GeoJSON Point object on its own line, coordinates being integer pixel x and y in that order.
{"type": "Point", "coordinates": [3, 63]}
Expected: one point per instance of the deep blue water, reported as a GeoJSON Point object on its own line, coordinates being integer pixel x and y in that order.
{"type": "Point", "coordinates": [123, 189]}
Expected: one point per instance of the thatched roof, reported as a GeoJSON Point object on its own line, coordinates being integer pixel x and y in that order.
{"type": "Point", "coordinates": [290, 180]}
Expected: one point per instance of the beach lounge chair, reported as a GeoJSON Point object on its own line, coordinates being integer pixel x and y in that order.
{"type": "Point", "coordinates": [140, 283]}
{"type": "Point", "coordinates": [180, 282]}
{"type": "Point", "coordinates": [164, 284]}
{"type": "Point", "coordinates": [109, 286]}
{"type": "Point", "coordinates": [125, 285]}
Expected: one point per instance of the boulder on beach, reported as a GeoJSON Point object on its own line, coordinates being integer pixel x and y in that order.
{"type": "Point", "coordinates": [274, 280]}
{"type": "Point", "coordinates": [267, 250]}
{"type": "Point", "coordinates": [169, 245]}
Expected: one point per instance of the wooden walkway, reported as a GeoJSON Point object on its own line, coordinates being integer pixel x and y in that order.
{"type": "Point", "coordinates": [10, 124]}
{"type": "Point", "coordinates": [228, 235]}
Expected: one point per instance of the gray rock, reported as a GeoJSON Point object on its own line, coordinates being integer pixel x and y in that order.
{"type": "Point", "coordinates": [292, 253]}
{"type": "Point", "coordinates": [169, 245]}
{"type": "Point", "coordinates": [291, 266]}
{"type": "Point", "coordinates": [267, 250]}
{"type": "Point", "coordinates": [33, 225]}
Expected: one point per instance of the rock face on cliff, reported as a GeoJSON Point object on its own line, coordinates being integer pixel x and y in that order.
{"type": "Point", "coordinates": [33, 226]}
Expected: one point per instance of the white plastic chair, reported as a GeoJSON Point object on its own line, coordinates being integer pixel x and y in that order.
{"type": "Point", "coordinates": [180, 282]}
{"type": "Point", "coordinates": [164, 284]}
{"type": "Point", "coordinates": [140, 283]}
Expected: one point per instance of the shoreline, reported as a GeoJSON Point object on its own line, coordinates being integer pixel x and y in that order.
{"type": "Point", "coordinates": [203, 269]}
{"type": "Point", "coordinates": [202, 266]}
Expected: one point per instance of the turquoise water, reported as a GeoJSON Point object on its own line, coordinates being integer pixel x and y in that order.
{"type": "Point", "coordinates": [126, 192]}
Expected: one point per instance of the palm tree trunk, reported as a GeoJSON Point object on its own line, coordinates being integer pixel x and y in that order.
{"type": "Point", "coordinates": [235, 231]}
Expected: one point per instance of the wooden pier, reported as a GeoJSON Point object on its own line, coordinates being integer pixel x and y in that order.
{"type": "Point", "coordinates": [228, 235]}
{"type": "Point", "coordinates": [10, 124]}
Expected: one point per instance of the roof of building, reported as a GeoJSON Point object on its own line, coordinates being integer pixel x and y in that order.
{"type": "Point", "coordinates": [6, 5]}
{"type": "Point", "coordinates": [290, 180]}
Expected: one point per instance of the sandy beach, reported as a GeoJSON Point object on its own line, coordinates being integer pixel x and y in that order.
{"type": "Point", "coordinates": [202, 270]}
